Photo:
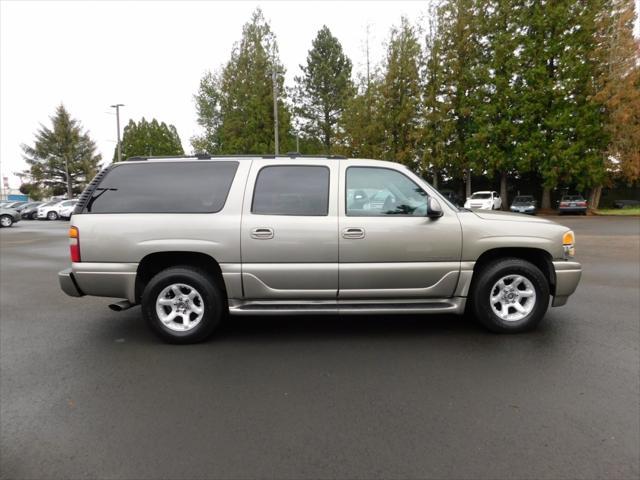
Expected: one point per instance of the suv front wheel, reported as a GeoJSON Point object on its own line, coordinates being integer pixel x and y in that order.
{"type": "Point", "coordinates": [510, 295]}
{"type": "Point", "coordinates": [183, 305]}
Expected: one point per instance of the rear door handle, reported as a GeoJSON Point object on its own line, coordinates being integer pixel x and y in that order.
{"type": "Point", "coordinates": [262, 233]}
{"type": "Point", "coordinates": [353, 233]}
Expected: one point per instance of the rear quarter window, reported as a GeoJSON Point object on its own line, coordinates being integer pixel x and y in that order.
{"type": "Point", "coordinates": [159, 187]}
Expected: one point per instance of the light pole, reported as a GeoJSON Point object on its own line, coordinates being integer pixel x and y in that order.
{"type": "Point", "coordinates": [275, 108]}
{"type": "Point", "coordinates": [117, 107]}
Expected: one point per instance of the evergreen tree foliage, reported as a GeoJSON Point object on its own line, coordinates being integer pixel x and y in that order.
{"type": "Point", "coordinates": [498, 128]}
{"type": "Point", "coordinates": [235, 106]}
{"type": "Point", "coordinates": [460, 59]}
{"type": "Point", "coordinates": [618, 55]}
{"type": "Point", "coordinates": [149, 138]}
{"type": "Point", "coordinates": [400, 95]}
{"type": "Point", "coordinates": [323, 89]}
{"type": "Point", "coordinates": [63, 158]}
{"type": "Point", "coordinates": [565, 138]}
{"type": "Point", "coordinates": [362, 132]}
{"type": "Point", "coordinates": [434, 132]}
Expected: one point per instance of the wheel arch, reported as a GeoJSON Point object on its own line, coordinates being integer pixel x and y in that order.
{"type": "Point", "coordinates": [154, 263]}
{"type": "Point", "coordinates": [537, 256]}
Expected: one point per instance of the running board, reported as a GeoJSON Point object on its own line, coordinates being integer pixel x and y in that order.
{"type": "Point", "coordinates": [352, 307]}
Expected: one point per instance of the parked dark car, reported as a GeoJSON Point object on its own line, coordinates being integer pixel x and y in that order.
{"type": "Point", "coordinates": [30, 210]}
{"type": "Point", "coordinates": [524, 204]}
{"type": "Point", "coordinates": [572, 204]}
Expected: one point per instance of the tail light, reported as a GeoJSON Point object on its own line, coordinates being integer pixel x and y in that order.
{"type": "Point", "coordinates": [74, 244]}
{"type": "Point", "coordinates": [564, 204]}
{"type": "Point", "coordinates": [581, 204]}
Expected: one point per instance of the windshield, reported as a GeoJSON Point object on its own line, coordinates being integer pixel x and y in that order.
{"type": "Point", "coordinates": [523, 199]}
{"type": "Point", "coordinates": [481, 196]}
{"type": "Point", "coordinates": [572, 198]}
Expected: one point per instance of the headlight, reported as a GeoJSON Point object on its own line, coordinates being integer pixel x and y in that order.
{"type": "Point", "coordinates": [568, 244]}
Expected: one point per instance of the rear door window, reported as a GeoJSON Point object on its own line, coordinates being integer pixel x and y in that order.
{"type": "Point", "coordinates": [159, 187]}
{"type": "Point", "coordinates": [301, 190]}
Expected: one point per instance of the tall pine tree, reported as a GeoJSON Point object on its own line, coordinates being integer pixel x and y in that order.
{"type": "Point", "coordinates": [564, 125]}
{"type": "Point", "coordinates": [498, 129]}
{"type": "Point", "coordinates": [235, 106]}
{"type": "Point", "coordinates": [400, 95]}
{"type": "Point", "coordinates": [323, 89]}
{"type": "Point", "coordinates": [618, 55]}
{"type": "Point", "coordinates": [461, 57]}
{"type": "Point", "coordinates": [63, 158]}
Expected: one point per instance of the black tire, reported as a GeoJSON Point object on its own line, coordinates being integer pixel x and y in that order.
{"type": "Point", "coordinates": [214, 302]}
{"type": "Point", "coordinates": [34, 216]}
{"type": "Point", "coordinates": [484, 283]}
{"type": "Point", "coordinates": [52, 215]}
{"type": "Point", "coordinates": [6, 220]}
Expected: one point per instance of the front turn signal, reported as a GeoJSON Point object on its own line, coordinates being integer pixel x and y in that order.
{"type": "Point", "coordinates": [569, 245]}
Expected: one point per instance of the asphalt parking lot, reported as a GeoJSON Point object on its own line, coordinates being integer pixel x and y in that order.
{"type": "Point", "coordinates": [86, 392]}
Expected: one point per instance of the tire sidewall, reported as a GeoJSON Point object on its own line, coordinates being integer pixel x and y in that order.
{"type": "Point", "coordinates": [212, 299]}
{"type": "Point", "coordinates": [52, 216]}
{"type": "Point", "coordinates": [485, 283]}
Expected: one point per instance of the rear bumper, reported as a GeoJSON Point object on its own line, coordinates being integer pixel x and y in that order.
{"type": "Point", "coordinates": [114, 280]}
{"type": "Point", "coordinates": [68, 283]}
{"type": "Point", "coordinates": [572, 209]}
{"type": "Point", "coordinates": [567, 278]}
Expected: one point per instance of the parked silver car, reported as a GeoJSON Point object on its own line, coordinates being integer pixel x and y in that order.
{"type": "Point", "coordinates": [194, 239]}
{"type": "Point", "coordinates": [8, 216]}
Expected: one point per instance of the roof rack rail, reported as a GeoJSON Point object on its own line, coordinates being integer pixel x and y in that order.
{"type": "Point", "coordinates": [299, 155]}
{"type": "Point", "coordinates": [206, 156]}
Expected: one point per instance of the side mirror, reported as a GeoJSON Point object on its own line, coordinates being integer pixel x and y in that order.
{"type": "Point", "coordinates": [434, 210]}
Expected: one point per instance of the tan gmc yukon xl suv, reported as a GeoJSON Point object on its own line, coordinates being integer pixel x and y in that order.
{"type": "Point", "coordinates": [193, 239]}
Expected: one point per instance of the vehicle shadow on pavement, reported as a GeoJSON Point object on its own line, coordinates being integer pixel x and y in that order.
{"type": "Point", "coordinates": [344, 326]}
{"type": "Point", "coordinates": [129, 327]}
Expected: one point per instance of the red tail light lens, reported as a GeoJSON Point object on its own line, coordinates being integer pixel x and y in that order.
{"type": "Point", "coordinates": [74, 244]}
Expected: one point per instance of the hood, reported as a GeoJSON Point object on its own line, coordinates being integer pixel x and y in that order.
{"type": "Point", "coordinates": [508, 216]}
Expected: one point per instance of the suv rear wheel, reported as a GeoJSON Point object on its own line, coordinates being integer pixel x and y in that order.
{"type": "Point", "coordinates": [183, 305]}
{"type": "Point", "coordinates": [510, 295]}
{"type": "Point", "coordinates": [52, 216]}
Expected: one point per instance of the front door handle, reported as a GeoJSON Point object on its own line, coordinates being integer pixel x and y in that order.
{"type": "Point", "coordinates": [262, 233]}
{"type": "Point", "coordinates": [353, 233]}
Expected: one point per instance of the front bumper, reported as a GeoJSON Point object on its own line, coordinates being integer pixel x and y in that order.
{"type": "Point", "coordinates": [528, 211]}
{"type": "Point", "coordinates": [568, 275]}
{"type": "Point", "coordinates": [68, 283]}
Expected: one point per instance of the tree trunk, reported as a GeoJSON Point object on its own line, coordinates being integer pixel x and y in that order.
{"type": "Point", "coordinates": [594, 198]}
{"type": "Point", "coordinates": [434, 180]}
{"type": "Point", "coordinates": [546, 198]}
{"type": "Point", "coordinates": [503, 190]}
{"type": "Point", "coordinates": [468, 184]}
{"type": "Point", "coordinates": [69, 186]}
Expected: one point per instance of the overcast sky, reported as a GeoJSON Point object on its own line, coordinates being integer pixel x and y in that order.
{"type": "Point", "coordinates": [150, 56]}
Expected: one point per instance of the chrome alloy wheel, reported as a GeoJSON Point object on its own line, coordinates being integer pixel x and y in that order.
{"type": "Point", "coordinates": [512, 298]}
{"type": "Point", "coordinates": [6, 221]}
{"type": "Point", "coordinates": [180, 307]}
